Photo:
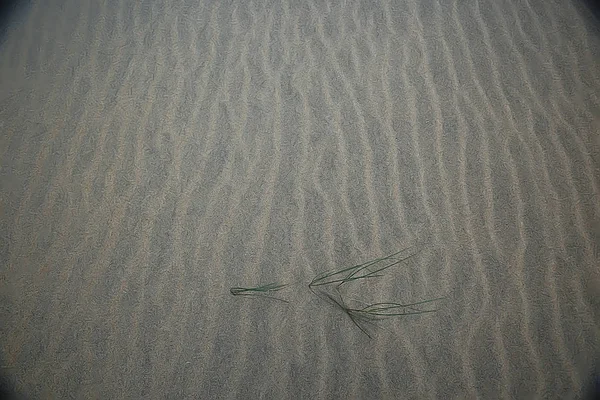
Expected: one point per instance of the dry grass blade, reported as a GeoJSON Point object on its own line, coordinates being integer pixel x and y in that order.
{"type": "Point", "coordinates": [394, 309]}
{"type": "Point", "coordinates": [370, 269]}
{"type": "Point", "coordinates": [261, 291]}
{"type": "Point", "coordinates": [354, 318]}
{"type": "Point", "coordinates": [378, 311]}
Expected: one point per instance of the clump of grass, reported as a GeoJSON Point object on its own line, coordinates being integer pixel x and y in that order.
{"type": "Point", "coordinates": [265, 291]}
{"type": "Point", "coordinates": [369, 269]}
{"type": "Point", "coordinates": [369, 313]}
{"type": "Point", "coordinates": [378, 311]}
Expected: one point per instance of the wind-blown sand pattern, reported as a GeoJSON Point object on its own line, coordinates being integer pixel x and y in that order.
{"type": "Point", "coordinates": [155, 154]}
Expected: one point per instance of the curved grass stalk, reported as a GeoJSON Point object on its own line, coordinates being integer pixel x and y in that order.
{"type": "Point", "coordinates": [354, 318]}
{"type": "Point", "coordinates": [394, 309]}
{"type": "Point", "coordinates": [259, 291]}
{"type": "Point", "coordinates": [360, 271]}
{"type": "Point", "coordinates": [378, 311]}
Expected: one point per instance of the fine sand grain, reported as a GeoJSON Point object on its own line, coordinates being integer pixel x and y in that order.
{"type": "Point", "coordinates": [169, 170]}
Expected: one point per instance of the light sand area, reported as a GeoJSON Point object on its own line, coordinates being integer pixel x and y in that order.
{"type": "Point", "coordinates": [155, 154]}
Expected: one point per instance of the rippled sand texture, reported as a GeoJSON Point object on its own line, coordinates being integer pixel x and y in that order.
{"type": "Point", "coordinates": [156, 153]}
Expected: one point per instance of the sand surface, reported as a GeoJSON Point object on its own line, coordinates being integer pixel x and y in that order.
{"type": "Point", "coordinates": [153, 154]}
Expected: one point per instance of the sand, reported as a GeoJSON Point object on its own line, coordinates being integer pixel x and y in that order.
{"type": "Point", "coordinates": [154, 154]}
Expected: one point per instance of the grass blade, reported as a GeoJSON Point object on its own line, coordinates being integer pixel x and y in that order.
{"type": "Point", "coordinates": [260, 291]}
{"type": "Point", "coordinates": [378, 311]}
{"type": "Point", "coordinates": [360, 271]}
